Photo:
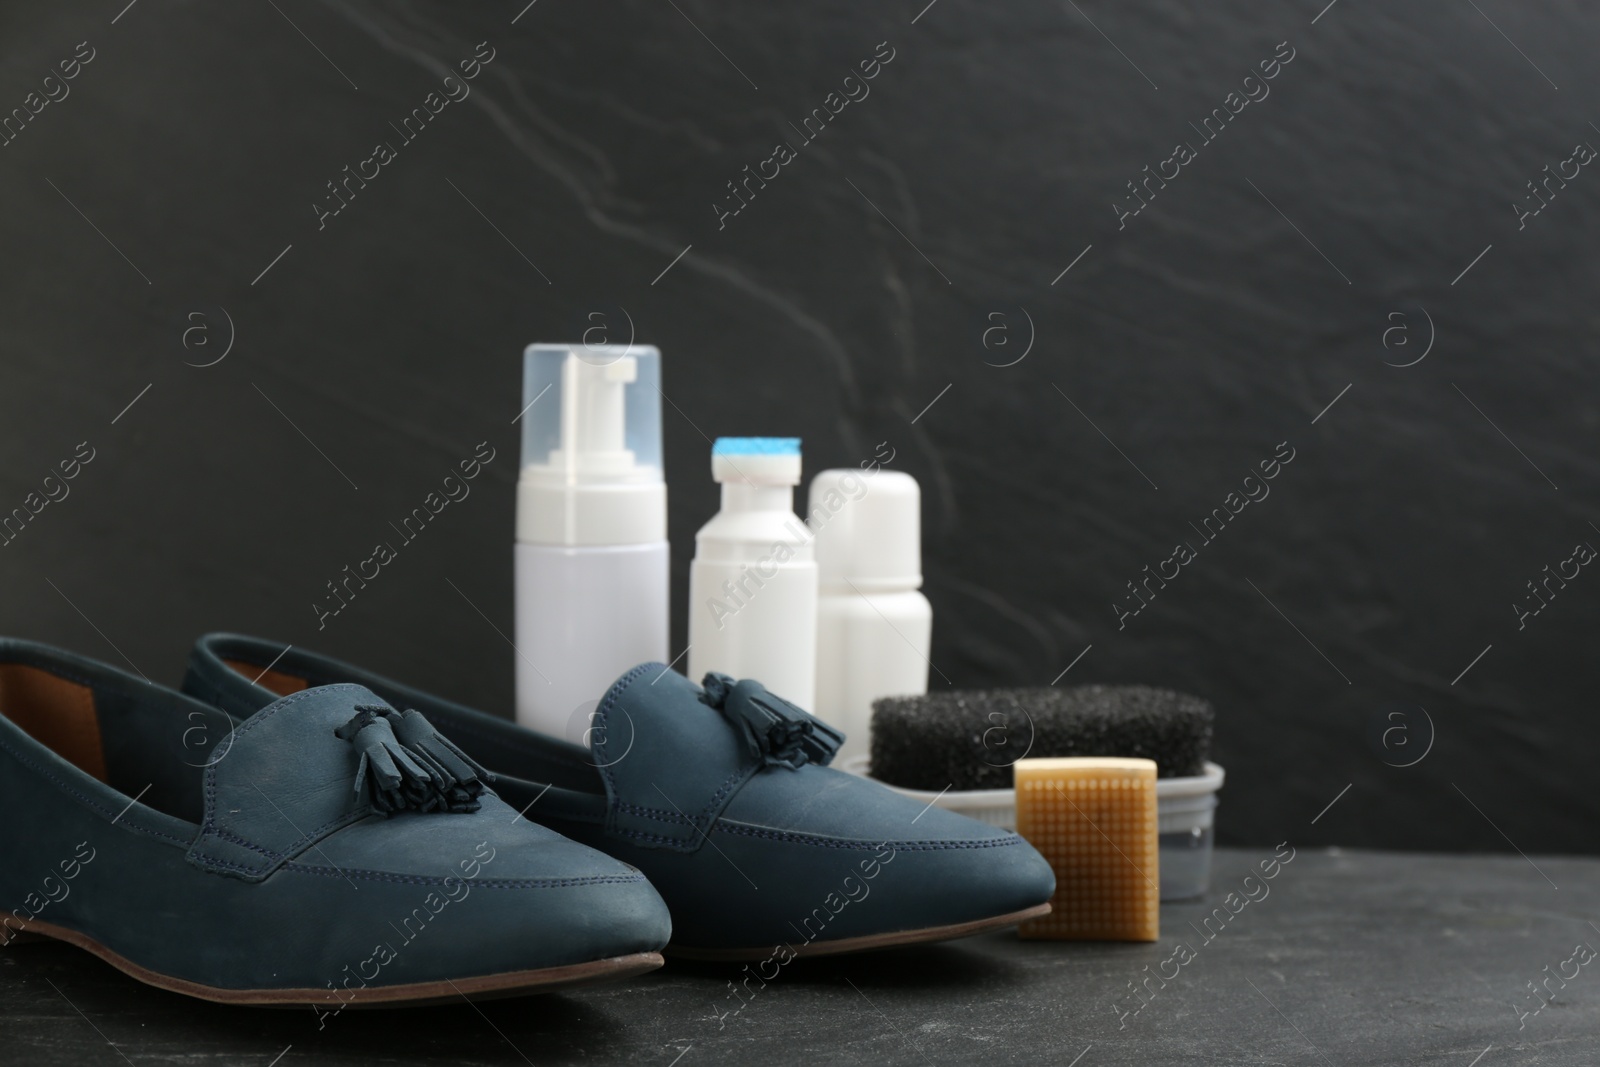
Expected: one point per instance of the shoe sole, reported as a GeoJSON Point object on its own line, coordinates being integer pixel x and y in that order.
{"type": "Point", "coordinates": [480, 987]}
{"type": "Point", "coordinates": [868, 942]}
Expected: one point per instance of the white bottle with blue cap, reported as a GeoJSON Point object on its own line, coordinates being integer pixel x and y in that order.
{"type": "Point", "coordinates": [753, 583]}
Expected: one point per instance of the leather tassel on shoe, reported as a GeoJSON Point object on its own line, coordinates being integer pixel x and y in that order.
{"type": "Point", "coordinates": [392, 777]}
{"type": "Point", "coordinates": [778, 732]}
{"type": "Point", "coordinates": [460, 778]}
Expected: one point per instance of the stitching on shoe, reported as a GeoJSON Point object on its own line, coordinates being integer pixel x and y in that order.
{"type": "Point", "coordinates": [85, 800]}
{"type": "Point", "coordinates": [604, 713]}
{"type": "Point", "coordinates": [831, 842]}
{"type": "Point", "coordinates": [294, 847]}
{"type": "Point", "coordinates": [737, 778]}
{"type": "Point", "coordinates": [494, 883]}
{"type": "Point", "coordinates": [733, 781]}
{"type": "Point", "coordinates": [242, 843]}
{"type": "Point", "coordinates": [640, 835]}
{"type": "Point", "coordinates": [658, 814]}
{"type": "Point", "coordinates": [213, 861]}
{"type": "Point", "coordinates": [210, 827]}
{"type": "Point", "coordinates": [663, 815]}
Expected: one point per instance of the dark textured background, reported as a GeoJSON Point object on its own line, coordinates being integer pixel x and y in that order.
{"type": "Point", "coordinates": [1196, 339]}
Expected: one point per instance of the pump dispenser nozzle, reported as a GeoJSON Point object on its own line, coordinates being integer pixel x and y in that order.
{"type": "Point", "coordinates": [591, 455]}
{"type": "Point", "coordinates": [592, 416]}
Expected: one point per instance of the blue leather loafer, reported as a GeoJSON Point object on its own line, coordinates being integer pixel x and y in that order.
{"type": "Point", "coordinates": [721, 796]}
{"type": "Point", "coordinates": [330, 851]}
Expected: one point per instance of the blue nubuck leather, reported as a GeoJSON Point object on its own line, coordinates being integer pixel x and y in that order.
{"type": "Point", "coordinates": [329, 851]}
{"type": "Point", "coordinates": [721, 795]}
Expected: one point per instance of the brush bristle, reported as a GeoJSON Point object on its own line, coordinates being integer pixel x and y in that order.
{"type": "Point", "coordinates": [970, 739]}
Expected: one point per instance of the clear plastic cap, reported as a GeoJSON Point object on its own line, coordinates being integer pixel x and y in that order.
{"type": "Point", "coordinates": [591, 414]}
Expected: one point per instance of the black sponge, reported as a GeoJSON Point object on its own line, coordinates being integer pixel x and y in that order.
{"type": "Point", "coordinates": [970, 739]}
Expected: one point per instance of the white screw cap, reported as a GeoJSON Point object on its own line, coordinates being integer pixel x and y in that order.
{"type": "Point", "coordinates": [868, 529]}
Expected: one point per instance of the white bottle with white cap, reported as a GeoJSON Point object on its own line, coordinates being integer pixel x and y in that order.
{"type": "Point", "coordinates": [874, 626]}
{"type": "Point", "coordinates": [753, 583]}
{"type": "Point", "coordinates": [591, 554]}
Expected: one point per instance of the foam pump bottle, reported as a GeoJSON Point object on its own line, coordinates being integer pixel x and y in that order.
{"type": "Point", "coordinates": [753, 583]}
{"type": "Point", "coordinates": [591, 559]}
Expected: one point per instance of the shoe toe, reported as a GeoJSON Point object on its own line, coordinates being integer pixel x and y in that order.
{"type": "Point", "coordinates": [856, 861]}
{"type": "Point", "coordinates": [486, 893]}
{"type": "Point", "coordinates": [953, 882]}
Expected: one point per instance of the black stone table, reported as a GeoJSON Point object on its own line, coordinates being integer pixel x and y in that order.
{"type": "Point", "coordinates": [1348, 958]}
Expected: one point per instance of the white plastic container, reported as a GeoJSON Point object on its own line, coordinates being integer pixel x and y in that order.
{"type": "Point", "coordinates": [591, 563]}
{"type": "Point", "coordinates": [1185, 812]}
{"type": "Point", "coordinates": [874, 626]}
{"type": "Point", "coordinates": [753, 582]}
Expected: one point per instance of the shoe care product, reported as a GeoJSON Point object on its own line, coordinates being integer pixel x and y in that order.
{"type": "Point", "coordinates": [960, 747]}
{"type": "Point", "coordinates": [1094, 820]}
{"type": "Point", "coordinates": [874, 626]}
{"type": "Point", "coordinates": [753, 583]}
{"type": "Point", "coordinates": [591, 551]}
{"type": "Point", "coordinates": [969, 739]}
